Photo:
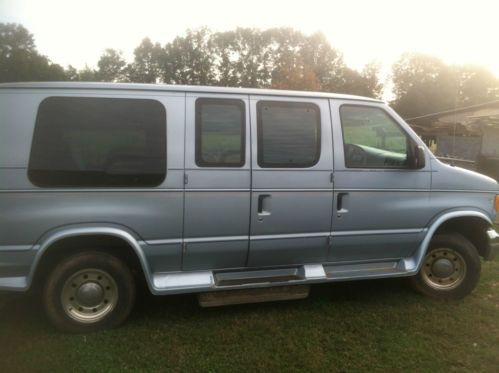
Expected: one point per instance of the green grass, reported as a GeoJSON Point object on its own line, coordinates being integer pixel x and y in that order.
{"type": "Point", "coordinates": [356, 326]}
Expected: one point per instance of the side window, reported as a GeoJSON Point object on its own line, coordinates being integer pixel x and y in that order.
{"type": "Point", "coordinates": [220, 133]}
{"type": "Point", "coordinates": [98, 142]}
{"type": "Point", "coordinates": [372, 139]}
{"type": "Point", "coordinates": [289, 134]}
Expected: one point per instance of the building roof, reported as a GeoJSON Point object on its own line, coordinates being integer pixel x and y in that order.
{"type": "Point", "coordinates": [179, 88]}
{"type": "Point", "coordinates": [434, 116]}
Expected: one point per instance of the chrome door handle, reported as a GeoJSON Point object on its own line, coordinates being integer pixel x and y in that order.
{"type": "Point", "coordinates": [340, 203]}
{"type": "Point", "coordinates": [264, 204]}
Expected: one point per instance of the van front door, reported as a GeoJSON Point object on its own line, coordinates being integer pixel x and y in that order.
{"type": "Point", "coordinates": [292, 195]}
{"type": "Point", "coordinates": [382, 202]}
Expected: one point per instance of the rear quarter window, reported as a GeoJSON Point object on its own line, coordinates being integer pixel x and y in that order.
{"type": "Point", "coordinates": [98, 142]}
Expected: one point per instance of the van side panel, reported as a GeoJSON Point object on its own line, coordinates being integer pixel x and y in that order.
{"type": "Point", "coordinates": [154, 215]}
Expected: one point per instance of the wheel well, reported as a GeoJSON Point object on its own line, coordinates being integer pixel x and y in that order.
{"type": "Point", "coordinates": [66, 247]}
{"type": "Point", "coordinates": [473, 228]}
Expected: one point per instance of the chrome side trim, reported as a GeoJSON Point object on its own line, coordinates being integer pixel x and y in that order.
{"type": "Point", "coordinates": [15, 247]}
{"type": "Point", "coordinates": [294, 190]}
{"type": "Point", "coordinates": [13, 283]}
{"type": "Point", "coordinates": [412, 190]}
{"type": "Point", "coordinates": [413, 264]}
{"type": "Point", "coordinates": [162, 242]}
{"type": "Point", "coordinates": [314, 271]}
{"type": "Point", "coordinates": [218, 190]}
{"type": "Point", "coordinates": [380, 190]}
{"type": "Point", "coordinates": [128, 190]}
{"type": "Point", "coordinates": [70, 190]}
{"type": "Point", "coordinates": [285, 236]}
{"type": "Point", "coordinates": [492, 234]}
{"type": "Point", "coordinates": [215, 239]}
{"type": "Point", "coordinates": [377, 231]}
{"type": "Point", "coordinates": [184, 280]}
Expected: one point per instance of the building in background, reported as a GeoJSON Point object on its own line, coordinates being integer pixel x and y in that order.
{"type": "Point", "coordinates": [466, 137]}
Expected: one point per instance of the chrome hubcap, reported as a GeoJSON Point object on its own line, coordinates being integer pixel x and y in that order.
{"type": "Point", "coordinates": [89, 295]}
{"type": "Point", "coordinates": [443, 269]}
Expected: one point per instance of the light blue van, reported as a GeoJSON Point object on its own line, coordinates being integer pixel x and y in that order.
{"type": "Point", "coordinates": [239, 195]}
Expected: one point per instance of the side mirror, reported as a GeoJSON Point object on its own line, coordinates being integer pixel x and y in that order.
{"type": "Point", "coordinates": [419, 157]}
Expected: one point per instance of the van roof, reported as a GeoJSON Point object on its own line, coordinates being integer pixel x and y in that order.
{"type": "Point", "coordinates": [179, 88]}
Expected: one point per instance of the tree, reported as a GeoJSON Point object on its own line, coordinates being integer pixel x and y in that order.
{"type": "Point", "coordinates": [372, 84]}
{"type": "Point", "coordinates": [71, 73]}
{"type": "Point", "coordinates": [88, 74]}
{"type": "Point", "coordinates": [242, 58]}
{"type": "Point", "coordinates": [423, 84]}
{"type": "Point", "coordinates": [147, 64]}
{"type": "Point", "coordinates": [296, 76]}
{"type": "Point", "coordinates": [325, 61]}
{"type": "Point", "coordinates": [111, 66]}
{"type": "Point", "coordinates": [476, 85]}
{"type": "Point", "coordinates": [281, 58]}
{"type": "Point", "coordinates": [19, 59]}
{"type": "Point", "coordinates": [255, 61]}
{"type": "Point", "coordinates": [364, 83]}
{"type": "Point", "coordinates": [190, 59]}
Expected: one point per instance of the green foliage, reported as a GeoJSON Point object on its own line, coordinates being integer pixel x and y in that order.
{"type": "Point", "coordinates": [146, 67]}
{"type": "Point", "coordinates": [281, 58]}
{"type": "Point", "coordinates": [190, 59]}
{"type": "Point", "coordinates": [424, 84]}
{"type": "Point", "coordinates": [111, 66]}
{"type": "Point", "coordinates": [19, 59]}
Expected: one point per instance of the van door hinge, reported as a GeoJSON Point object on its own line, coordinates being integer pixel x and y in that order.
{"type": "Point", "coordinates": [330, 241]}
{"type": "Point", "coordinates": [184, 247]}
{"type": "Point", "coordinates": [186, 179]}
{"type": "Point", "coordinates": [331, 177]}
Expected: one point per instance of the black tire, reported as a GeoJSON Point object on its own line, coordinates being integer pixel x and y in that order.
{"type": "Point", "coordinates": [458, 250]}
{"type": "Point", "coordinates": [64, 278]}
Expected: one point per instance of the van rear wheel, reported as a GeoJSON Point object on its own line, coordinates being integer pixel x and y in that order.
{"type": "Point", "coordinates": [450, 268]}
{"type": "Point", "coordinates": [88, 292]}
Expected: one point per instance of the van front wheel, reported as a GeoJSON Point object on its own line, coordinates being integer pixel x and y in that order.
{"type": "Point", "coordinates": [89, 291]}
{"type": "Point", "coordinates": [450, 269]}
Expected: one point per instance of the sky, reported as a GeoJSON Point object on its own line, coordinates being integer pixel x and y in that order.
{"type": "Point", "coordinates": [76, 32]}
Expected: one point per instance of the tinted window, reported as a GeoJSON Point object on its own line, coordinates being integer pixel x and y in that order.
{"type": "Point", "coordinates": [372, 139]}
{"type": "Point", "coordinates": [288, 134]}
{"type": "Point", "coordinates": [101, 142]}
{"type": "Point", "coordinates": [220, 133]}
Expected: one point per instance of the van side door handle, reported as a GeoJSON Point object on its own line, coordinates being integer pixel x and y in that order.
{"type": "Point", "coordinates": [264, 204]}
{"type": "Point", "coordinates": [341, 202]}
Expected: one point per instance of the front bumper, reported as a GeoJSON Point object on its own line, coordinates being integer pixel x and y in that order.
{"type": "Point", "coordinates": [493, 248]}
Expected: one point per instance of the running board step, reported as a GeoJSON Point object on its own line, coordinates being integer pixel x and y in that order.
{"type": "Point", "coordinates": [258, 276]}
{"type": "Point", "coordinates": [196, 281]}
{"type": "Point", "coordinates": [278, 293]}
{"type": "Point", "coordinates": [269, 276]}
{"type": "Point", "coordinates": [364, 270]}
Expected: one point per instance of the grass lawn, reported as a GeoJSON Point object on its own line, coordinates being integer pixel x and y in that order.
{"type": "Point", "coordinates": [370, 326]}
